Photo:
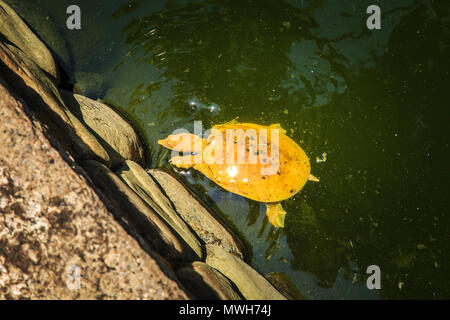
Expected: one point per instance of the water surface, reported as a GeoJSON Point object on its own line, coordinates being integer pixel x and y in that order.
{"type": "Point", "coordinates": [370, 108]}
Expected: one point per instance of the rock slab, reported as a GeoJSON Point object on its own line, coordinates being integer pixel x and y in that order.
{"type": "Point", "coordinates": [148, 190]}
{"type": "Point", "coordinates": [57, 238]}
{"type": "Point", "coordinates": [204, 224]}
{"type": "Point", "coordinates": [139, 218]}
{"type": "Point", "coordinates": [17, 32]}
{"type": "Point", "coordinates": [116, 135]}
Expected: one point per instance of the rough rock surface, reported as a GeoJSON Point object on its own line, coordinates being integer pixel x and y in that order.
{"type": "Point", "coordinates": [148, 190]}
{"type": "Point", "coordinates": [16, 31]}
{"type": "Point", "coordinates": [54, 228]}
{"type": "Point", "coordinates": [251, 284]}
{"type": "Point", "coordinates": [206, 283]}
{"type": "Point", "coordinates": [139, 217]}
{"type": "Point", "coordinates": [24, 76]}
{"type": "Point", "coordinates": [116, 135]}
{"type": "Point", "coordinates": [196, 215]}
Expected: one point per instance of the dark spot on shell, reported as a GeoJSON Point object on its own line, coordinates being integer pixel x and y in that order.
{"type": "Point", "coordinates": [292, 191]}
{"type": "Point", "coordinates": [264, 177]}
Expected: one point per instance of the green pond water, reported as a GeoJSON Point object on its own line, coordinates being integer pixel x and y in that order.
{"type": "Point", "coordinates": [369, 107]}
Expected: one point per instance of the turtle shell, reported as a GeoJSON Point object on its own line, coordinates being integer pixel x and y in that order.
{"type": "Point", "coordinates": [255, 161]}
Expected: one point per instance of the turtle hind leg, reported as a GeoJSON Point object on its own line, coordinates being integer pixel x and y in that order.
{"type": "Point", "coordinates": [276, 214]}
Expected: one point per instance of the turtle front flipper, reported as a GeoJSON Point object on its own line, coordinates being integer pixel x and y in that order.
{"type": "Point", "coordinates": [275, 213]}
{"type": "Point", "coordinates": [183, 142]}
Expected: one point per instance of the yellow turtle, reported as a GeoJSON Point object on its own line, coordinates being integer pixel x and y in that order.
{"type": "Point", "coordinates": [236, 157]}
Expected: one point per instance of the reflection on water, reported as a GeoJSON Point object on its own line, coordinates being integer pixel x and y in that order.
{"type": "Point", "coordinates": [372, 101]}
